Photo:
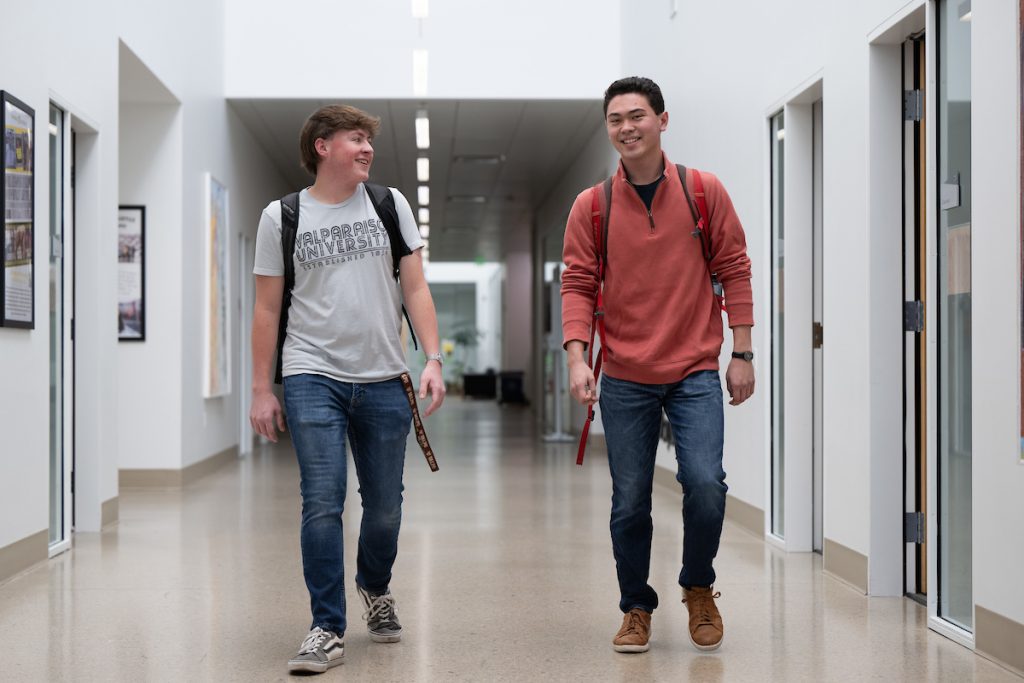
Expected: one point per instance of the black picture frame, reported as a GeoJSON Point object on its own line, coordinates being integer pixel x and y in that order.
{"type": "Point", "coordinates": [18, 196]}
{"type": "Point", "coordinates": [131, 273]}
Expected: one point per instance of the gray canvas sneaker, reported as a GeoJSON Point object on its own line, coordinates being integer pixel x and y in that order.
{"type": "Point", "coordinates": [319, 651]}
{"type": "Point", "coordinates": [381, 618]}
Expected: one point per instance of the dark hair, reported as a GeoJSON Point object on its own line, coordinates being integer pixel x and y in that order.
{"type": "Point", "coordinates": [637, 84]}
{"type": "Point", "coordinates": [325, 122]}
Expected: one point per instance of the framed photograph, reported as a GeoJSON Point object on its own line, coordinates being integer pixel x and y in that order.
{"type": "Point", "coordinates": [131, 273]}
{"type": "Point", "coordinates": [217, 347]}
{"type": "Point", "coordinates": [17, 187]}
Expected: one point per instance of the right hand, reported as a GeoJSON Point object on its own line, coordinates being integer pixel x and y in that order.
{"type": "Point", "coordinates": [582, 385]}
{"type": "Point", "coordinates": [266, 414]}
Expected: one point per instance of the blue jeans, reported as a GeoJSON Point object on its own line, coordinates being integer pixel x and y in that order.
{"type": "Point", "coordinates": [376, 418]}
{"type": "Point", "coordinates": [631, 414]}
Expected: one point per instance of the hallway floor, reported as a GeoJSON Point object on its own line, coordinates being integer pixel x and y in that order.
{"type": "Point", "coordinates": [504, 573]}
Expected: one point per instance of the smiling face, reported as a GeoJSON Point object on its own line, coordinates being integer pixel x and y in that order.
{"type": "Point", "coordinates": [347, 154]}
{"type": "Point", "coordinates": [634, 129]}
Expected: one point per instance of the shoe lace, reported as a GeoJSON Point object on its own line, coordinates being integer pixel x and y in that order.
{"type": "Point", "coordinates": [702, 605]}
{"type": "Point", "coordinates": [381, 608]}
{"type": "Point", "coordinates": [314, 640]}
{"type": "Point", "coordinates": [633, 624]}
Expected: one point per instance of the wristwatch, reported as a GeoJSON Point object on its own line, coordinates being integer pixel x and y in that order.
{"type": "Point", "coordinates": [435, 356]}
{"type": "Point", "coordinates": [743, 355]}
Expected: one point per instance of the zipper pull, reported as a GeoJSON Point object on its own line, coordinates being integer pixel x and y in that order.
{"type": "Point", "coordinates": [650, 217]}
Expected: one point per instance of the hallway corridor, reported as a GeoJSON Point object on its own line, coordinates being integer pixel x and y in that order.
{"type": "Point", "coordinates": [504, 574]}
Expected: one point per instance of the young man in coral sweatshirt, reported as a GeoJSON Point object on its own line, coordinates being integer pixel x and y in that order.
{"type": "Point", "coordinates": [663, 337]}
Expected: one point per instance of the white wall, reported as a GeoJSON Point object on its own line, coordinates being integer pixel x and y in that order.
{"type": "Point", "coordinates": [487, 277]}
{"type": "Point", "coordinates": [149, 372]}
{"type": "Point", "coordinates": [527, 49]}
{"type": "Point", "coordinates": [996, 252]}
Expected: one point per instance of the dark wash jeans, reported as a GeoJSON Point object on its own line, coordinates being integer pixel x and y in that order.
{"type": "Point", "coordinates": [376, 417]}
{"type": "Point", "coordinates": [631, 414]}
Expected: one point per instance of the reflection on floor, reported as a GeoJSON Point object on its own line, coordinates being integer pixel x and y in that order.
{"type": "Point", "coordinates": [504, 574]}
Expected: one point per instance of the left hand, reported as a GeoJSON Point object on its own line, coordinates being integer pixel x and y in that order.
{"type": "Point", "coordinates": [739, 380]}
{"type": "Point", "coordinates": [431, 382]}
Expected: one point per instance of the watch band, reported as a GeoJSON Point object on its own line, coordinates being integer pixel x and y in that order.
{"type": "Point", "coordinates": [743, 355]}
{"type": "Point", "coordinates": [435, 356]}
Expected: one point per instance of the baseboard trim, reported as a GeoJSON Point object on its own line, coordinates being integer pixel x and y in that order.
{"type": "Point", "coordinates": [999, 638]}
{"type": "Point", "coordinates": [172, 479]}
{"type": "Point", "coordinates": [744, 515]}
{"type": "Point", "coordinates": [847, 565]}
{"type": "Point", "coordinates": [110, 512]}
{"type": "Point", "coordinates": [20, 555]}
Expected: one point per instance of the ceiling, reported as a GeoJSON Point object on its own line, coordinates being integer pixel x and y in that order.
{"type": "Point", "coordinates": [537, 141]}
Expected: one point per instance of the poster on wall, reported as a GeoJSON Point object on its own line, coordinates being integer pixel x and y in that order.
{"type": "Point", "coordinates": [217, 342]}
{"type": "Point", "coordinates": [131, 273]}
{"type": "Point", "coordinates": [18, 192]}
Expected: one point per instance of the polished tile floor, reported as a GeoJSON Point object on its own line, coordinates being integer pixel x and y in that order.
{"type": "Point", "coordinates": [504, 574]}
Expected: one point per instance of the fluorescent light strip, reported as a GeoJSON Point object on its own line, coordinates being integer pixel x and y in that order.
{"type": "Point", "coordinates": [422, 130]}
{"type": "Point", "coordinates": [420, 9]}
{"type": "Point", "coordinates": [423, 194]}
{"type": "Point", "coordinates": [424, 215]}
{"type": "Point", "coordinates": [423, 169]}
{"type": "Point", "coordinates": [425, 231]}
{"type": "Point", "coordinates": [419, 73]}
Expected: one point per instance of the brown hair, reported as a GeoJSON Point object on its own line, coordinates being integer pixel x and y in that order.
{"type": "Point", "coordinates": [325, 122]}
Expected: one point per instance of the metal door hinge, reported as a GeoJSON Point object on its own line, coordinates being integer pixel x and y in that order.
{"type": "Point", "coordinates": [913, 527]}
{"type": "Point", "coordinates": [913, 316]}
{"type": "Point", "coordinates": [913, 105]}
{"type": "Point", "coordinates": [817, 335]}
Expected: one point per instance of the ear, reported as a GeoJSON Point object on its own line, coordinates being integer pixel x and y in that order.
{"type": "Point", "coordinates": [320, 145]}
{"type": "Point", "coordinates": [664, 120]}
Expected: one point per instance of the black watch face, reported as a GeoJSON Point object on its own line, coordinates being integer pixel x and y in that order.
{"type": "Point", "coordinates": [746, 355]}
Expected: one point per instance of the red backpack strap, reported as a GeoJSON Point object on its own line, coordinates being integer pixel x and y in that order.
{"type": "Point", "coordinates": [599, 220]}
{"type": "Point", "coordinates": [702, 219]}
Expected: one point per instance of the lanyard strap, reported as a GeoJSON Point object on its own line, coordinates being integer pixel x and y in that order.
{"type": "Point", "coordinates": [421, 433]}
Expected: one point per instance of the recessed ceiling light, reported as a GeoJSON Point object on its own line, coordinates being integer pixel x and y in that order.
{"type": "Point", "coordinates": [424, 215]}
{"type": "Point", "coordinates": [424, 231]}
{"type": "Point", "coordinates": [423, 195]}
{"type": "Point", "coordinates": [422, 129]}
{"type": "Point", "coordinates": [423, 169]}
{"type": "Point", "coordinates": [420, 10]}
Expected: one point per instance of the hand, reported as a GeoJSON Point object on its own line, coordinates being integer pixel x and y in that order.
{"type": "Point", "coordinates": [265, 414]}
{"type": "Point", "coordinates": [430, 381]}
{"type": "Point", "coordinates": [582, 385]}
{"type": "Point", "coordinates": [739, 380]}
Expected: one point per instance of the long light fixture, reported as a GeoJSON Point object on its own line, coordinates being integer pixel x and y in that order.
{"type": "Point", "coordinates": [424, 215]}
{"type": "Point", "coordinates": [420, 9]}
{"type": "Point", "coordinates": [425, 231]}
{"type": "Point", "coordinates": [423, 195]}
{"type": "Point", "coordinates": [419, 72]}
{"type": "Point", "coordinates": [422, 130]}
{"type": "Point", "coordinates": [423, 169]}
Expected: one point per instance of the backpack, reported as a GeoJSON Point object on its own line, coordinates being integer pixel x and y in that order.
{"type": "Point", "coordinates": [383, 203]}
{"type": "Point", "coordinates": [601, 203]}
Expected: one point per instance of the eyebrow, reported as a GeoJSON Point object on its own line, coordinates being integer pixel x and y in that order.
{"type": "Point", "coordinates": [631, 111]}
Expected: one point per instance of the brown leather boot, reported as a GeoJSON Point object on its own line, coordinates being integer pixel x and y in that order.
{"type": "Point", "coordinates": [706, 631]}
{"type": "Point", "coordinates": [635, 632]}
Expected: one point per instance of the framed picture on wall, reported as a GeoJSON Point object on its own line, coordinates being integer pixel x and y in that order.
{"type": "Point", "coordinates": [217, 340]}
{"type": "Point", "coordinates": [17, 187]}
{"type": "Point", "coordinates": [131, 273]}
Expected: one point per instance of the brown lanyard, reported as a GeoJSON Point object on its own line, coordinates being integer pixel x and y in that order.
{"type": "Point", "coordinates": [421, 433]}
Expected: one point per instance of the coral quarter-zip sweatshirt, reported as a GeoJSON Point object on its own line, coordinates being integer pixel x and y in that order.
{"type": "Point", "coordinates": [662, 320]}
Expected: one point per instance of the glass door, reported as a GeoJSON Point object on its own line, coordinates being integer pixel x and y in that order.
{"type": "Point", "coordinates": [955, 601]}
{"type": "Point", "coordinates": [778, 490]}
{"type": "Point", "coordinates": [60, 485]}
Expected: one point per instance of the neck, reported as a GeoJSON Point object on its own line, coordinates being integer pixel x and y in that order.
{"type": "Point", "coordinates": [644, 171]}
{"type": "Point", "coordinates": [332, 190]}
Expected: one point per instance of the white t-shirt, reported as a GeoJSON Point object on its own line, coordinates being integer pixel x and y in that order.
{"type": "Point", "coordinates": [345, 318]}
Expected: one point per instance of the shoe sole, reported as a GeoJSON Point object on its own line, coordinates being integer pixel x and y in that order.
{"type": "Point", "coordinates": [706, 648]}
{"type": "Point", "coordinates": [313, 667]}
{"type": "Point", "coordinates": [378, 638]}
{"type": "Point", "coordinates": [634, 649]}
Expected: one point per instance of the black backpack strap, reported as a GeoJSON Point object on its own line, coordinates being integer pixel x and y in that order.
{"type": "Point", "coordinates": [384, 204]}
{"type": "Point", "coordinates": [705, 240]}
{"type": "Point", "coordinates": [289, 226]}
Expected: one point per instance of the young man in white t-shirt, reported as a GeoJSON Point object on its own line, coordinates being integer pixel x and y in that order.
{"type": "Point", "coordinates": [342, 362]}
